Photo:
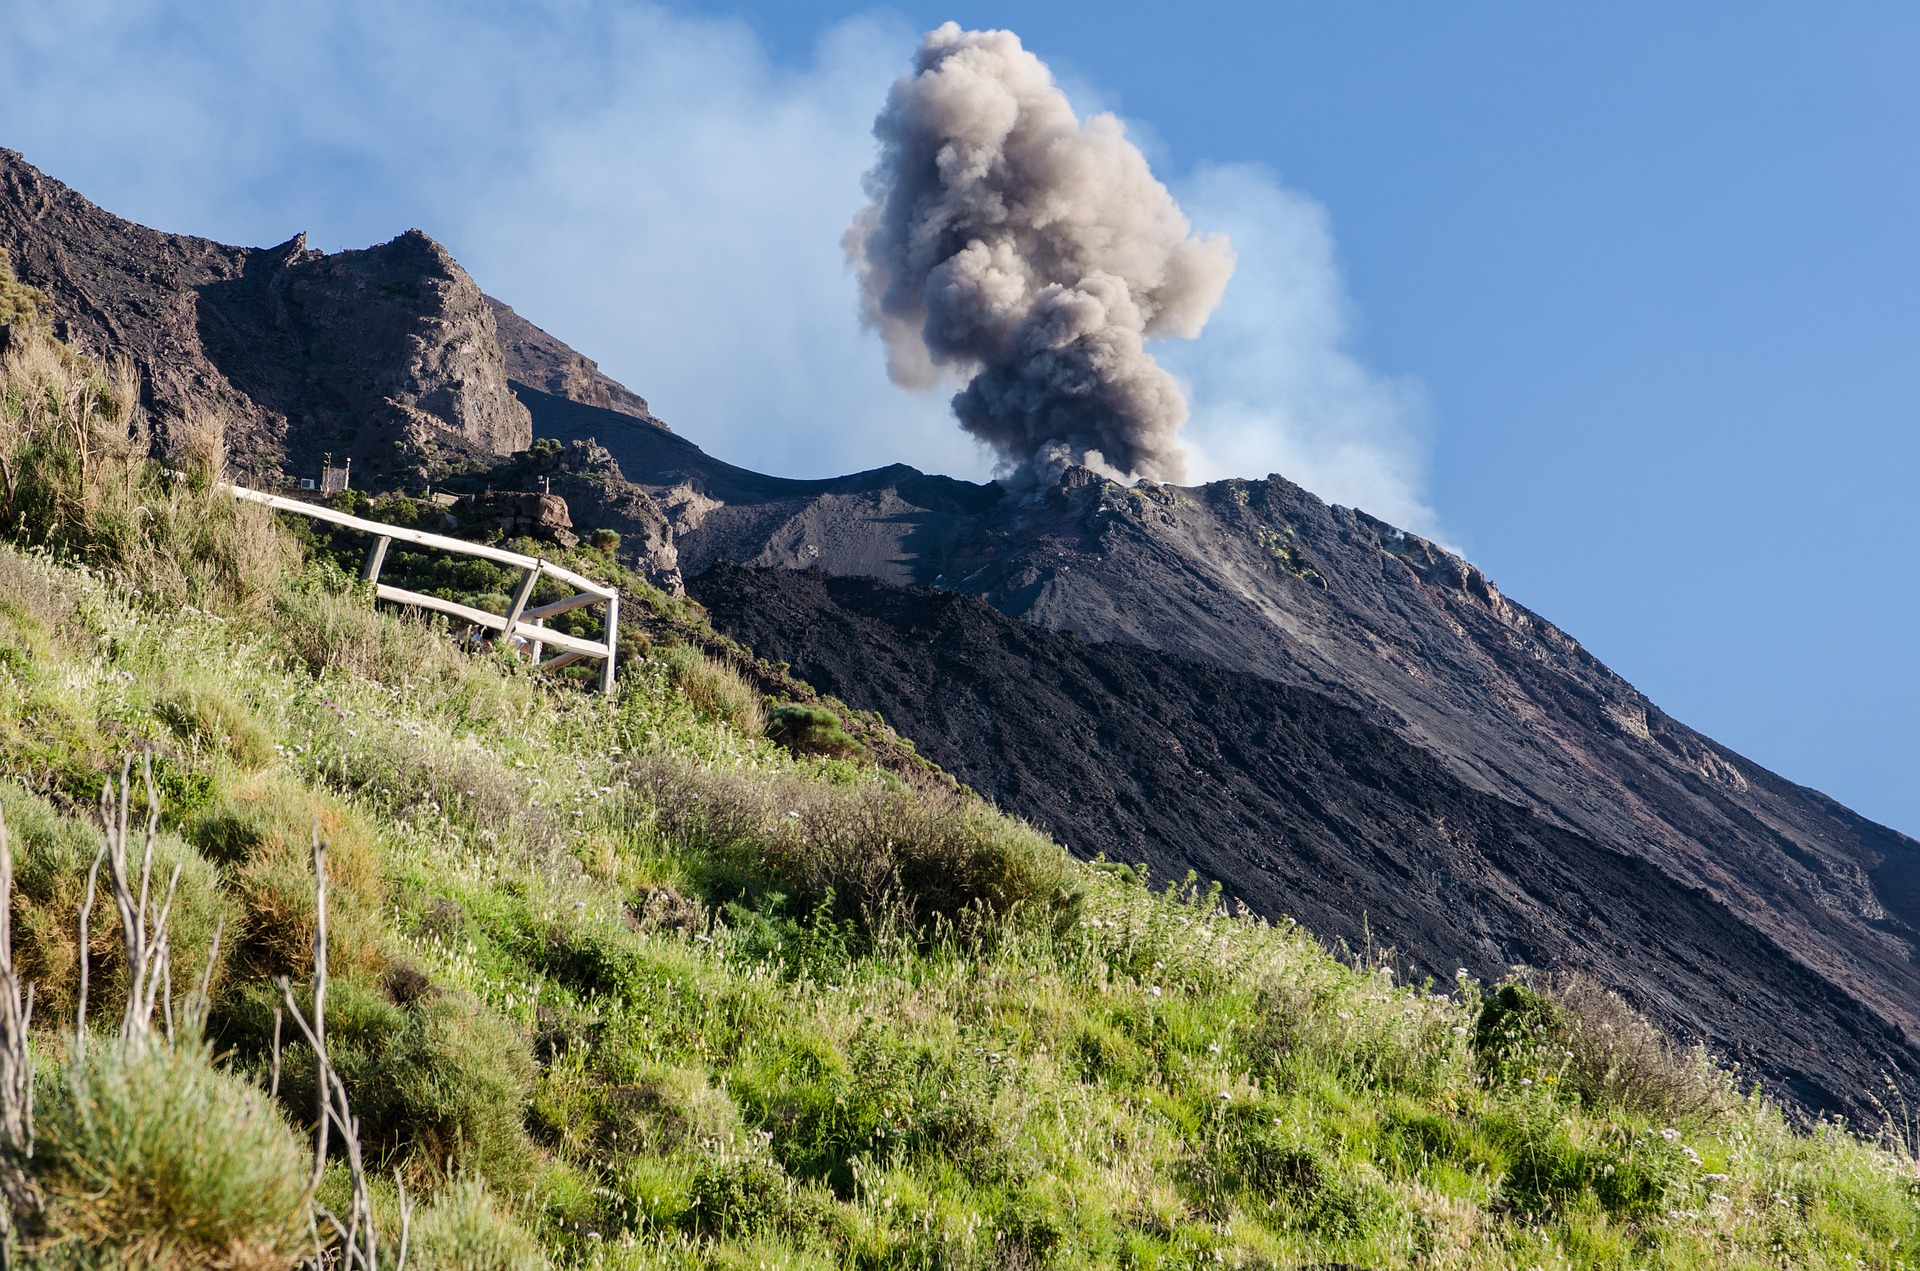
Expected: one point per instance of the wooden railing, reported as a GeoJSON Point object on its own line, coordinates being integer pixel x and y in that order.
{"type": "Point", "coordinates": [519, 620]}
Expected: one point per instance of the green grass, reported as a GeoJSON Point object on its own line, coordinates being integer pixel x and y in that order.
{"type": "Point", "coordinates": [1088, 1073]}
{"type": "Point", "coordinates": [618, 983]}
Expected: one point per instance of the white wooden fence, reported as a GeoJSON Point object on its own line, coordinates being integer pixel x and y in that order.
{"type": "Point", "coordinates": [518, 620]}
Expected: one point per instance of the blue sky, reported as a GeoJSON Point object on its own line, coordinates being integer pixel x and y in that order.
{"type": "Point", "coordinates": [1618, 300]}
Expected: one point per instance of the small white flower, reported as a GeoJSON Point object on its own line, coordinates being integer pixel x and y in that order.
{"type": "Point", "coordinates": [1669, 1134]}
{"type": "Point", "coordinates": [1214, 1048]}
{"type": "Point", "coordinates": [1460, 973]}
{"type": "Point", "coordinates": [1526, 1081]}
{"type": "Point", "coordinates": [1458, 1031]}
{"type": "Point", "coordinates": [1344, 1015]}
{"type": "Point", "coordinates": [1155, 990]}
{"type": "Point", "coordinates": [1225, 1095]}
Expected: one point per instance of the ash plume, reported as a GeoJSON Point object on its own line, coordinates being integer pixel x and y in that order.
{"type": "Point", "coordinates": [1010, 244]}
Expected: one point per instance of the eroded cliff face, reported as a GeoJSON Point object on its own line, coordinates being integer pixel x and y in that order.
{"type": "Point", "coordinates": [389, 356]}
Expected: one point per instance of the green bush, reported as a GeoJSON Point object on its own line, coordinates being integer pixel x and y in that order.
{"type": "Point", "coordinates": [260, 832]}
{"type": "Point", "coordinates": [20, 305]}
{"type": "Point", "coordinates": [464, 1230]}
{"type": "Point", "coordinates": [715, 690]}
{"type": "Point", "coordinates": [885, 853]}
{"type": "Point", "coordinates": [735, 1197]}
{"type": "Point", "coordinates": [439, 1083]}
{"type": "Point", "coordinates": [153, 1157]}
{"type": "Point", "coordinates": [1590, 1040]}
{"type": "Point", "coordinates": [52, 854]}
{"type": "Point", "coordinates": [811, 730]}
{"type": "Point", "coordinates": [207, 719]}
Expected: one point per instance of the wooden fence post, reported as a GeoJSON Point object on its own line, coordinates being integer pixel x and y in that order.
{"type": "Point", "coordinates": [520, 598]}
{"type": "Point", "coordinates": [376, 557]}
{"type": "Point", "coordinates": [613, 635]}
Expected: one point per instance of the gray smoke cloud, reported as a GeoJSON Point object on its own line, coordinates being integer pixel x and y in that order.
{"type": "Point", "coordinates": [1012, 245]}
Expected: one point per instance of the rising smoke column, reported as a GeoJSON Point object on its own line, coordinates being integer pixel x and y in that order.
{"type": "Point", "coordinates": [1011, 244]}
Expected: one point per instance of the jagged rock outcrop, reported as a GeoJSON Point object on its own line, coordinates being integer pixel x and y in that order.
{"type": "Point", "coordinates": [388, 356]}
{"type": "Point", "coordinates": [599, 497]}
{"type": "Point", "coordinates": [517, 514]}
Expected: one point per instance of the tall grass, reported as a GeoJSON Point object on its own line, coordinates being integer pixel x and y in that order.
{"type": "Point", "coordinates": [76, 475]}
{"type": "Point", "coordinates": [155, 1157]}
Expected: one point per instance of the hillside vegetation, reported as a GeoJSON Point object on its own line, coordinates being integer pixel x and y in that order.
{"type": "Point", "coordinates": [616, 982]}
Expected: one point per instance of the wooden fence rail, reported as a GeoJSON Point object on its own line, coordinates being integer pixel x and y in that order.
{"type": "Point", "coordinates": [518, 620]}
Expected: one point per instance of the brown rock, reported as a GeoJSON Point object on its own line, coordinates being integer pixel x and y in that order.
{"type": "Point", "coordinates": [388, 356]}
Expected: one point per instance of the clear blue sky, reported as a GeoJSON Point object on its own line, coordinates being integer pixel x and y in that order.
{"type": "Point", "coordinates": [1646, 270]}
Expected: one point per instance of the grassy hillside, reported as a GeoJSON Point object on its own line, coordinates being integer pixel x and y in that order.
{"type": "Point", "coordinates": [622, 983]}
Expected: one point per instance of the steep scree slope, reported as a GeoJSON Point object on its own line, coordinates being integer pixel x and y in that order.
{"type": "Point", "coordinates": [1301, 806]}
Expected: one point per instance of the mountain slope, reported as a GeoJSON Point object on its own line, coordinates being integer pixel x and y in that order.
{"type": "Point", "coordinates": [392, 356]}
{"type": "Point", "coordinates": [1301, 806]}
{"type": "Point", "coordinates": [1262, 578]}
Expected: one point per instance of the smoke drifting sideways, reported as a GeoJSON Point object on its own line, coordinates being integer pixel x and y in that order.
{"type": "Point", "coordinates": [1010, 245]}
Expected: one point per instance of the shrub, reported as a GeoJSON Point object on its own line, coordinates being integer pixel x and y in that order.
{"type": "Point", "coordinates": [881, 850]}
{"type": "Point", "coordinates": [604, 540]}
{"type": "Point", "coordinates": [155, 1157]}
{"type": "Point", "coordinates": [1608, 1053]}
{"type": "Point", "coordinates": [75, 445]}
{"type": "Point", "coordinates": [207, 718]}
{"type": "Point", "coordinates": [464, 1230]}
{"type": "Point", "coordinates": [737, 1197]}
{"type": "Point", "coordinates": [715, 690]}
{"type": "Point", "coordinates": [1622, 1059]}
{"type": "Point", "coordinates": [260, 832]}
{"type": "Point", "coordinates": [52, 854]}
{"type": "Point", "coordinates": [439, 1084]}
{"type": "Point", "coordinates": [811, 730]}
{"type": "Point", "coordinates": [20, 305]}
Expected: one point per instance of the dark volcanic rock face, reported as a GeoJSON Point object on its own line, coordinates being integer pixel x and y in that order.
{"type": "Point", "coordinates": [1303, 806]}
{"type": "Point", "coordinates": [389, 355]}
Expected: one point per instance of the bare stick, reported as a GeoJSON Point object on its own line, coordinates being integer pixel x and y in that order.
{"type": "Point", "coordinates": [279, 1015]}
{"type": "Point", "coordinates": [16, 1068]}
{"type": "Point", "coordinates": [16, 1060]}
{"type": "Point", "coordinates": [406, 1218]}
{"type": "Point", "coordinates": [319, 1031]}
{"type": "Point", "coordinates": [200, 1001]}
{"type": "Point", "coordinates": [86, 923]}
